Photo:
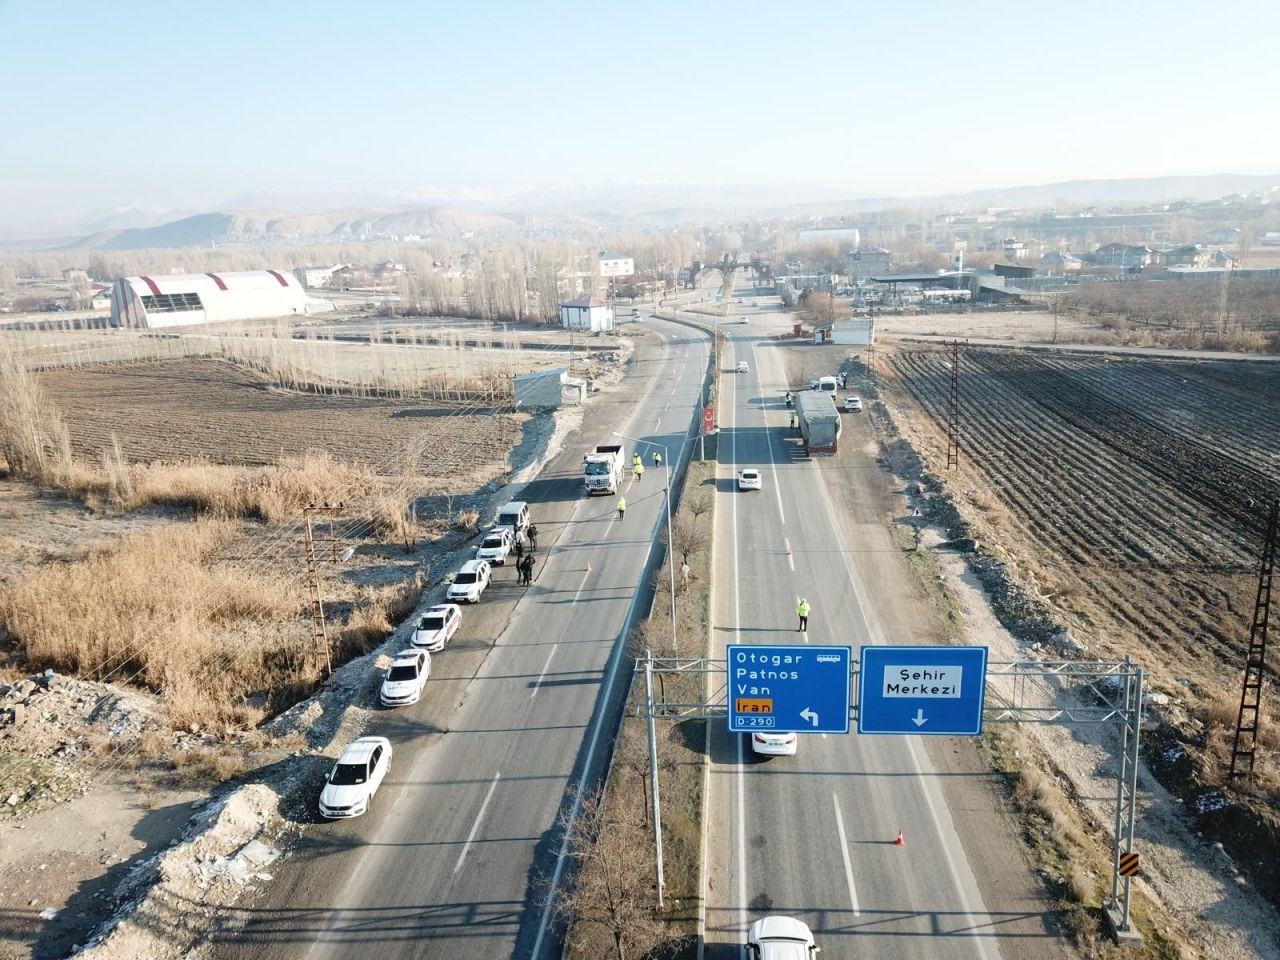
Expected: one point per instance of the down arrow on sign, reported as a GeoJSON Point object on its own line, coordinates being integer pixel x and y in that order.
{"type": "Point", "coordinates": [919, 718]}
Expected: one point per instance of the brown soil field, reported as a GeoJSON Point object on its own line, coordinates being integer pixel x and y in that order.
{"type": "Point", "coordinates": [204, 408]}
{"type": "Point", "coordinates": [1129, 496]}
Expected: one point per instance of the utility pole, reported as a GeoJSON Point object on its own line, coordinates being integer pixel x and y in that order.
{"type": "Point", "coordinates": [1247, 720]}
{"type": "Point", "coordinates": [313, 516]}
{"type": "Point", "coordinates": [953, 410]}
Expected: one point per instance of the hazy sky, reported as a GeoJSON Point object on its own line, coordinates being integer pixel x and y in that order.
{"type": "Point", "coordinates": [188, 105]}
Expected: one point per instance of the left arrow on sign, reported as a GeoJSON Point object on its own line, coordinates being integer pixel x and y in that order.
{"type": "Point", "coordinates": [919, 718]}
{"type": "Point", "coordinates": [807, 714]}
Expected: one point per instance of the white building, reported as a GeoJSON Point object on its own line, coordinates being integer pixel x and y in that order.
{"type": "Point", "coordinates": [311, 277]}
{"type": "Point", "coordinates": [101, 300]}
{"type": "Point", "coordinates": [850, 331]}
{"type": "Point", "coordinates": [868, 263]}
{"type": "Point", "coordinates": [589, 313]}
{"type": "Point", "coordinates": [186, 299]}
{"type": "Point", "coordinates": [616, 265]}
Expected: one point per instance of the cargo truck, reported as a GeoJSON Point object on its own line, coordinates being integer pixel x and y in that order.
{"type": "Point", "coordinates": [602, 470]}
{"type": "Point", "coordinates": [819, 422]}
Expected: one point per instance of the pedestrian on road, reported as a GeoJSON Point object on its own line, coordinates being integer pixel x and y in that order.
{"type": "Point", "coordinates": [802, 610]}
{"type": "Point", "coordinates": [657, 459]}
{"type": "Point", "coordinates": [793, 420]}
{"type": "Point", "coordinates": [526, 570]}
{"type": "Point", "coordinates": [635, 459]}
{"type": "Point", "coordinates": [788, 398]}
{"type": "Point", "coordinates": [639, 471]}
{"type": "Point", "coordinates": [519, 550]}
{"type": "Point", "coordinates": [622, 507]}
{"type": "Point", "coordinates": [532, 534]}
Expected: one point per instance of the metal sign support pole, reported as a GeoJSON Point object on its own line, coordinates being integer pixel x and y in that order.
{"type": "Point", "coordinates": [653, 771]}
{"type": "Point", "coordinates": [1126, 802]}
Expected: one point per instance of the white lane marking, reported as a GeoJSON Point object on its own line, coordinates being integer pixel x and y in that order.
{"type": "Point", "coordinates": [741, 818]}
{"type": "Point", "coordinates": [475, 827]}
{"type": "Point", "coordinates": [844, 852]}
{"type": "Point", "coordinates": [543, 675]}
{"type": "Point", "coordinates": [611, 671]}
{"type": "Point", "coordinates": [791, 561]}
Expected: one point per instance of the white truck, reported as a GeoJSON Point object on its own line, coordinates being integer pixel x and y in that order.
{"type": "Point", "coordinates": [602, 470]}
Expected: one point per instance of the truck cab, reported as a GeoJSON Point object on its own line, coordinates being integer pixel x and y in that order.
{"type": "Point", "coordinates": [602, 469]}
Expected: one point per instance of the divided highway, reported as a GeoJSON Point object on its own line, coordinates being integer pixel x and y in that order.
{"type": "Point", "coordinates": [452, 859]}
{"type": "Point", "coordinates": [811, 836]}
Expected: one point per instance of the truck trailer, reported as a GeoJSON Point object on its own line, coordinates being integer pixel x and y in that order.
{"type": "Point", "coordinates": [819, 421]}
{"type": "Point", "coordinates": [602, 470]}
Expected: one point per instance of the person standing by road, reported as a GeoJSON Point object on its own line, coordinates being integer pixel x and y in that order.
{"type": "Point", "coordinates": [622, 507]}
{"type": "Point", "coordinates": [532, 534]}
{"type": "Point", "coordinates": [518, 549]}
{"type": "Point", "coordinates": [657, 459]}
{"type": "Point", "coordinates": [635, 460]}
{"type": "Point", "coordinates": [802, 610]}
{"type": "Point", "coordinates": [639, 471]}
{"type": "Point", "coordinates": [793, 419]}
{"type": "Point", "coordinates": [526, 570]}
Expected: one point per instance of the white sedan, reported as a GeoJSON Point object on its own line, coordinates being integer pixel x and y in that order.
{"type": "Point", "coordinates": [750, 479]}
{"type": "Point", "coordinates": [355, 778]}
{"type": "Point", "coordinates": [405, 678]}
{"type": "Point", "coordinates": [437, 626]}
{"type": "Point", "coordinates": [774, 744]}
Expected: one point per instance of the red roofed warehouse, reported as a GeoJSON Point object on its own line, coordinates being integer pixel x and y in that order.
{"type": "Point", "coordinates": [185, 299]}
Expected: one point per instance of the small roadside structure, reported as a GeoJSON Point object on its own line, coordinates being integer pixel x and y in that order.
{"type": "Point", "coordinates": [541, 389]}
{"type": "Point", "coordinates": [589, 313]}
{"type": "Point", "coordinates": [850, 331]}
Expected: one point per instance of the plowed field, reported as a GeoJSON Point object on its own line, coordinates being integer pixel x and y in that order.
{"type": "Point", "coordinates": [185, 408]}
{"type": "Point", "coordinates": [1132, 493]}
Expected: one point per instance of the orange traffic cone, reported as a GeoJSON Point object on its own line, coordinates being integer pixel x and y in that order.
{"type": "Point", "coordinates": [899, 842]}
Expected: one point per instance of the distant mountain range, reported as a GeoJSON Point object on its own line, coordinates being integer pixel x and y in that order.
{"type": "Point", "coordinates": [606, 206]}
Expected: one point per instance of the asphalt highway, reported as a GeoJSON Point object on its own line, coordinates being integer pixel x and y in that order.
{"type": "Point", "coordinates": [455, 858]}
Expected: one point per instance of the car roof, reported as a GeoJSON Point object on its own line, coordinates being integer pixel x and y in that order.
{"type": "Point", "coordinates": [410, 654]}
{"type": "Point", "coordinates": [358, 751]}
{"type": "Point", "coordinates": [445, 608]}
{"type": "Point", "coordinates": [471, 566]}
{"type": "Point", "coordinates": [788, 927]}
{"type": "Point", "coordinates": [514, 505]}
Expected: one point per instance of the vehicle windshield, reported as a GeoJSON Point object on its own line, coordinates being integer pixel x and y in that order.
{"type": "Point", "coordinates": [492, 542]}
{"type": "Point", "coordinates": [465, 578]}
{"type": "Point", "coordinates": [432, 623]}
{"type": "Point", "coordinates": [403, 672]}
{"type": "Point", "coordinates": [597, 468]}
{"type": "Point", "coordinates": [348, 774]}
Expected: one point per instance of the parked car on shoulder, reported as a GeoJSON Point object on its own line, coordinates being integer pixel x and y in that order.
{"type": "Point", "coordinates": [405, 678]}
{"type": "Point", "coordinates": [852, 403]}
{"type": "Point", "coordinates": [355, 778]}
{"type": "Point", "coordinates": [437, 626]}
{"type": "Point", "coordinates": [495, 546]}
{"type": "Point", "coordinates": [470, 582]}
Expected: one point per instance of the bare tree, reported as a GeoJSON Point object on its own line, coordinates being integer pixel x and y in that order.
{"type": "Point", "coordinates": [611, 891]}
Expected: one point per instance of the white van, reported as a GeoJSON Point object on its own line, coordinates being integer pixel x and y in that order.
{"type": "Point", "coordinates": [828, 385]}
{"type": "Point", "coordinates": [515, 516]}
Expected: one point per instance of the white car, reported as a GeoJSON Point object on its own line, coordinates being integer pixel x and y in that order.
{"type": "Point", "coordinates": [742, 367]}
{"type": "Point", "coordinates": [852, 403]}
{"type": "Point", "coordinates": [437, 626]}
{"type": "Point", "coordinates": [749, 479]}
{"type": "Point", "coordinates": [355, 778]}
{"type": "Point", "coordinates": [774, 744]}
{"type": "Point", "coordinates": [470, 582]}
{"type": "Point", "coordinates": [742, 319]}
{"type": "Point", "coordinates": [495, 546]}
{"type": "Point", "coordinates": [405, 678]}
{"type": "Point", "coordinates": [780, 938]}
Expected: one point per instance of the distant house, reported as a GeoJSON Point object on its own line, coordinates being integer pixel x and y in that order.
{"type": "Point", "coordinates": [101, 299]}
{"type": "Point", "coordinates": [616, 265]}
{"type": "Point", "coordinates": [1187, 255]}
{"type": "Point", "coordinates": [1128, 256]}
{"type": "Point", "coordinates": [1060, 261]}
{"type": "Point", "coordinates": [1223, 235]}
{"type": "Point", "coordinates": [72, 275]}
{"type": "Point", "coordinates": [589, 313]}
{"type": "Point", "coordinates": [541, 389]}
{"type": "Point", "coordinates": [312, 277]}
{"type": "Point", "coordinates": [1013, 271]}
{"type": "Point", "coordinates": [1223, 259]}
{"type": "Point", "coordinates": [387, 269]}
{"type": "Point", "coordinates": [849, 331]}
{"type": "Point", "coordinates": [867, 263]}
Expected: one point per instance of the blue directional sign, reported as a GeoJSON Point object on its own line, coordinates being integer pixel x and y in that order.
{"type": "Point", "coordinates": [928, 690]}
{"type": "Point", "coordinates": [788, 689]}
